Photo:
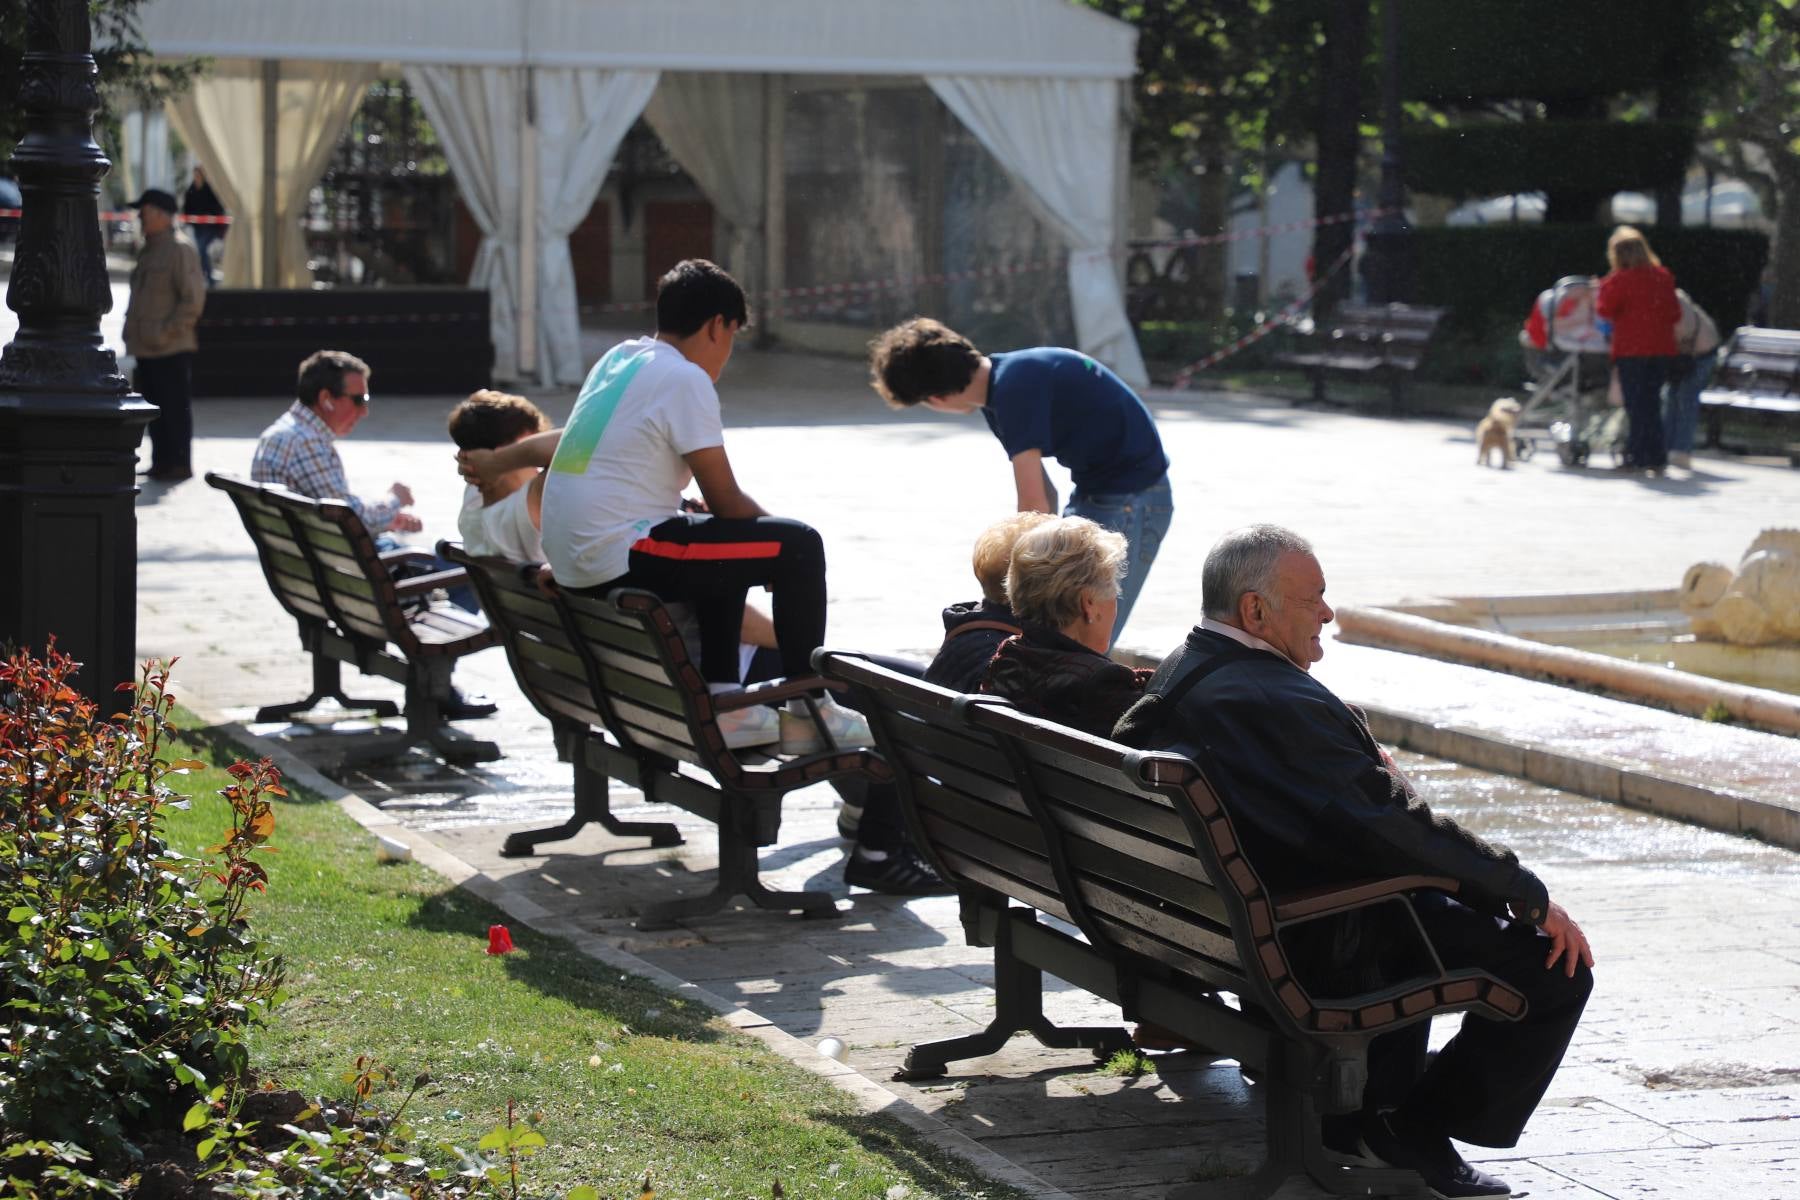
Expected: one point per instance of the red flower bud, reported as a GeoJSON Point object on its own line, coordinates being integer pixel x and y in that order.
{"type": "Point", "coordinates": [499, 940]}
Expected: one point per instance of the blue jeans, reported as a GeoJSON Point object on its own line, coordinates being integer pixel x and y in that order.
{"type": "Point", "coordinates": [1143, 517]}
{"type": "Point", "coordinates": [1641, 379]}
{"type": "Point", "coordinates": [1681, 403]}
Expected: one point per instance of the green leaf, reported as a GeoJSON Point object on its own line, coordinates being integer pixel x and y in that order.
{"type": "Point", "coordinates": [196, 1117]}
{"type": "Point", "coordinates": [497, 1138]}
{"type": "Point", "coordinates": [583, 1192]}
{"type": "Point", "coordinates": [21, 914]}
{"type": "Point", "coordinates": [204, 1149]}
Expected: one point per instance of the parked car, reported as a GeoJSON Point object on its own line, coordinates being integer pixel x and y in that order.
{"type": "Point", "coordinates": [9, 199]}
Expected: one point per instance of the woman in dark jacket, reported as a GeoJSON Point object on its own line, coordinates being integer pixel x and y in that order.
{"type": "Point", "coordinates": [1063, 585]}
{"type": "Point", "coordinates": [1638, 298]}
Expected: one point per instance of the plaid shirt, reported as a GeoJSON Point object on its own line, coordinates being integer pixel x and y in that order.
{"type": "Point", "coordinates": [299, 452]}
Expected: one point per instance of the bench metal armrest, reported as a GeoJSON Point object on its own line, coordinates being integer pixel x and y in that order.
{"type": "Point", "coordinates": [773, 690]}
{"type": "Point", "coordinates": [1323, 901]}
{"type": "Point", "coordinates": [405, 554]}
{"type": "Point", "coordinates": [425, 583]}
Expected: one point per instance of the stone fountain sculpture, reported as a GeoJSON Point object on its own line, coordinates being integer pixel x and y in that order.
{"type": "Point", "coordinates": [1756, 605]}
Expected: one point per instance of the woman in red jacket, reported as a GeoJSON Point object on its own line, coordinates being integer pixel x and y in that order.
{"type": "Point", "coordinates": [1638, 298]}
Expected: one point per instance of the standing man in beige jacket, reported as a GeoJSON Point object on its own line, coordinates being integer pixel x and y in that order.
{"type": "Point", "coordinates": [168, 290]}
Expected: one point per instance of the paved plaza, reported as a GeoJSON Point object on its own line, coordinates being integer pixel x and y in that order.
{"type": "Point", "coordinates": [1683, 1081]}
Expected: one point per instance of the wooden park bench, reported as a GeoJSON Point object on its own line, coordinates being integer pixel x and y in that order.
{"type": "Point", "coordinates": [625, 702]}
{"type": "Point", "coordinates": [1385, 341]}
{"type": "Point", "coordinates": [1757, 378]}
{"type": "Point", "coordinates": [326, 571]}
{"type": "Point", "coordinates": [1119, 871]}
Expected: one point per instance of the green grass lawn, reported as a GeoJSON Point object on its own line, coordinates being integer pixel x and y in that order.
{"type": "Point", "coordinates": [390, 961]}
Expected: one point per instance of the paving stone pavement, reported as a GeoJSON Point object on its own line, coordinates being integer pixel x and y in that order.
{"type": "Point", "coordinates": [1685, 1078]}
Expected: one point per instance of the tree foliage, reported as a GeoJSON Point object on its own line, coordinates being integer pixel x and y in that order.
{"type": "Point", "coordinates": [130, 77]}
{"type": "Point", "coordinates": [1753, 130]}
{"type": "Point", "coordinates": [1221, 74]}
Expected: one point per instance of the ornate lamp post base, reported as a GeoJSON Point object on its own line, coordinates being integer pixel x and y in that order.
{"type": "Point", "coordinates": [69, 429]}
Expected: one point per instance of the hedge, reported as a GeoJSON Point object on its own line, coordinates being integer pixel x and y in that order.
{"type": "Point", "coordinates": [1499, 158]}
{"type": "Point", "coordinates": [1469, 50]}
{"type": "Point", "coordinates": [1488, 275]}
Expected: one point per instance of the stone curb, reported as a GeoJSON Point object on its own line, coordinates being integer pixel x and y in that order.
{"type": "Point", "coordinates": [1601, 778]}
{"type": "Point", "coordinates": [870, 1096]}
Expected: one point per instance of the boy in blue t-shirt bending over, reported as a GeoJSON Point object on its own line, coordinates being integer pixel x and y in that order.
{"type": "Point", "coordinates": [1045, 403]}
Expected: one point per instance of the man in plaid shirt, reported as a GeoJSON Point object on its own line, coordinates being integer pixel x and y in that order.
{"type": "Point", "coordinates": [299, 452]}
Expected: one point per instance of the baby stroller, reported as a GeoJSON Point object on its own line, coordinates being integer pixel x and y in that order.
{"type": "Point", "coordinates": [1566, 357]}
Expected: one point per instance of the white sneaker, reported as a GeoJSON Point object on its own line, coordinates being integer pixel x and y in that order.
{"type": "Point", "coordinates": [799, 735]}
{"type": "Point", "coordinates": [756, 725]}
{"type": "Point", "coordinates": [1680, 459]}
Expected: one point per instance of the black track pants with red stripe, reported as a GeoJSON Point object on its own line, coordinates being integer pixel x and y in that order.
{"type": "Point", "coordinates": [712, 562]}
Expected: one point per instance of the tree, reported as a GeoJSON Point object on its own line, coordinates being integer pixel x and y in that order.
{"type": "Point", "coordinates": [1550, 96]}
{"type": "Point", "coordinates": [127, 69]}
{"type": "Point", "coordinates": [1224, 83]}
{"type": "Point", "coordinates": [1753, 132]}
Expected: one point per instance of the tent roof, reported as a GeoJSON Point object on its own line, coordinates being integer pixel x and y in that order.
{"type": "Point", "coordinates": [1023, 38]}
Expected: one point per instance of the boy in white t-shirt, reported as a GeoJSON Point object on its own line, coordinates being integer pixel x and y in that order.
{"type": "Point", "coordinates": [646, 423]}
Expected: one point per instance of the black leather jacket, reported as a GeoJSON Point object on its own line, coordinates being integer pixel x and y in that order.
{"type": "Point", "coordinates": [1312, 796]}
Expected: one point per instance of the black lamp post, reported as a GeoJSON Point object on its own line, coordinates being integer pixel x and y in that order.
{"type": "Point", "coordinates": [69, 426]}
{"type": "Point", "coordinates": [1388, 258]}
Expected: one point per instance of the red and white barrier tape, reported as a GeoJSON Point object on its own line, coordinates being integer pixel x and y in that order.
{"type": "Point", "coordinates": [1186, 375]}
{"type": "Point", "coordinates": [129, 216]}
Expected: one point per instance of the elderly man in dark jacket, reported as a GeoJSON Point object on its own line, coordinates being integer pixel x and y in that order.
{"type": "Point", "coordinates": [1316, 801]}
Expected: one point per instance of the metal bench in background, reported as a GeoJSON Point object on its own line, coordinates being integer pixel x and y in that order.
{"type": "Point", "coordinates": [1757, 384]}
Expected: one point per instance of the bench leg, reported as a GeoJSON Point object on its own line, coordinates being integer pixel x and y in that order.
{"type": "Point", "coordinates": [1318, 385]}
{"type": "Point", "coordinates": [327, 684]}
{"type": "Point", "coordinates": [592, 803]}
{"type": "Point", "coordinates": [1018, 1008]}
{"type": "Point", "coordinates": [1293, 1148]}
{"type": "Point", "coordinates": [427, 686]}
{"type": "Point", "coordinates": [738, 876]}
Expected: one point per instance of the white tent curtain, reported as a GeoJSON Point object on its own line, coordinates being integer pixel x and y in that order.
{"type": "Point", "coordinates": [476, 112]}
{"type": "Point", "coordinates": [714, 126]}
{"type": "Point", "coordinates": [582, 115]}
{"type": "Point", "coordinates": [221, 119]}
{"type": "Point", "coordinates": [1057, 138]}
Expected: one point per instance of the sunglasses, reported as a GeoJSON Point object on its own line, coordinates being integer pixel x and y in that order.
{"type": "Point", "coordinates": [361, 400]}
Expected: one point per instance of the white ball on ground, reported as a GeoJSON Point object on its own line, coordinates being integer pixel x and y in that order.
{"type": "Point", "coordinates": [833, 1048]}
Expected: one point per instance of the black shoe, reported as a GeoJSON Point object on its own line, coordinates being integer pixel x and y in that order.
{"type": "Point", "coordinates": [1446, 1175]}
{"type": "Point", "coordinates": [467, 706]}
{"type": "Point", "coordinates": [169, 474]}
{"type": "Point", "coordinates": [895, 872]}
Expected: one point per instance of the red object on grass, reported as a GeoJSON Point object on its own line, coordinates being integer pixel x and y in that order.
{"type": "Point", "coordinates": [499, 940]}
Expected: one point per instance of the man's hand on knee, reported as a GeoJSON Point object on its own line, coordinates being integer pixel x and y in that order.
{"type": "Point", "coordinates": [1567, 942]}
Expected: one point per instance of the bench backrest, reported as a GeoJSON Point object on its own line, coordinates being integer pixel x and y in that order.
{"type": "Point", "coordinates": [552, 675]}
{"type": "Point", "coordinates": [1402, 330]}
{"type": "Point", "coordinates": [290, 576]}
{"type": "Point", "coordinates": [651, 692]}
{"type": "Point", "coordinates": [1761, 361]}
{"type": "Point", "coordinates": [1133, 848]}
{"type": "Point", "coordinates": [353, 581]}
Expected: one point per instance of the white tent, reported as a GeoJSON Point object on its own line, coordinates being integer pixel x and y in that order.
{"type": "Point", "coordinates": [530, 99]}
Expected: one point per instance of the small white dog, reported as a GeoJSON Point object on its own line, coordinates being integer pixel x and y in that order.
{"type": "Point", "coordinates": [1496, 432]}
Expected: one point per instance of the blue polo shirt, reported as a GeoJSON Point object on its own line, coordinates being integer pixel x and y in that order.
{"type": "Point", "coordinates": [1066, 406]}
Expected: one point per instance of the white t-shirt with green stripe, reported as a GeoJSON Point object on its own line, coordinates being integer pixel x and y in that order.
{"type": "Point", "coordinates": [618, 468]}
